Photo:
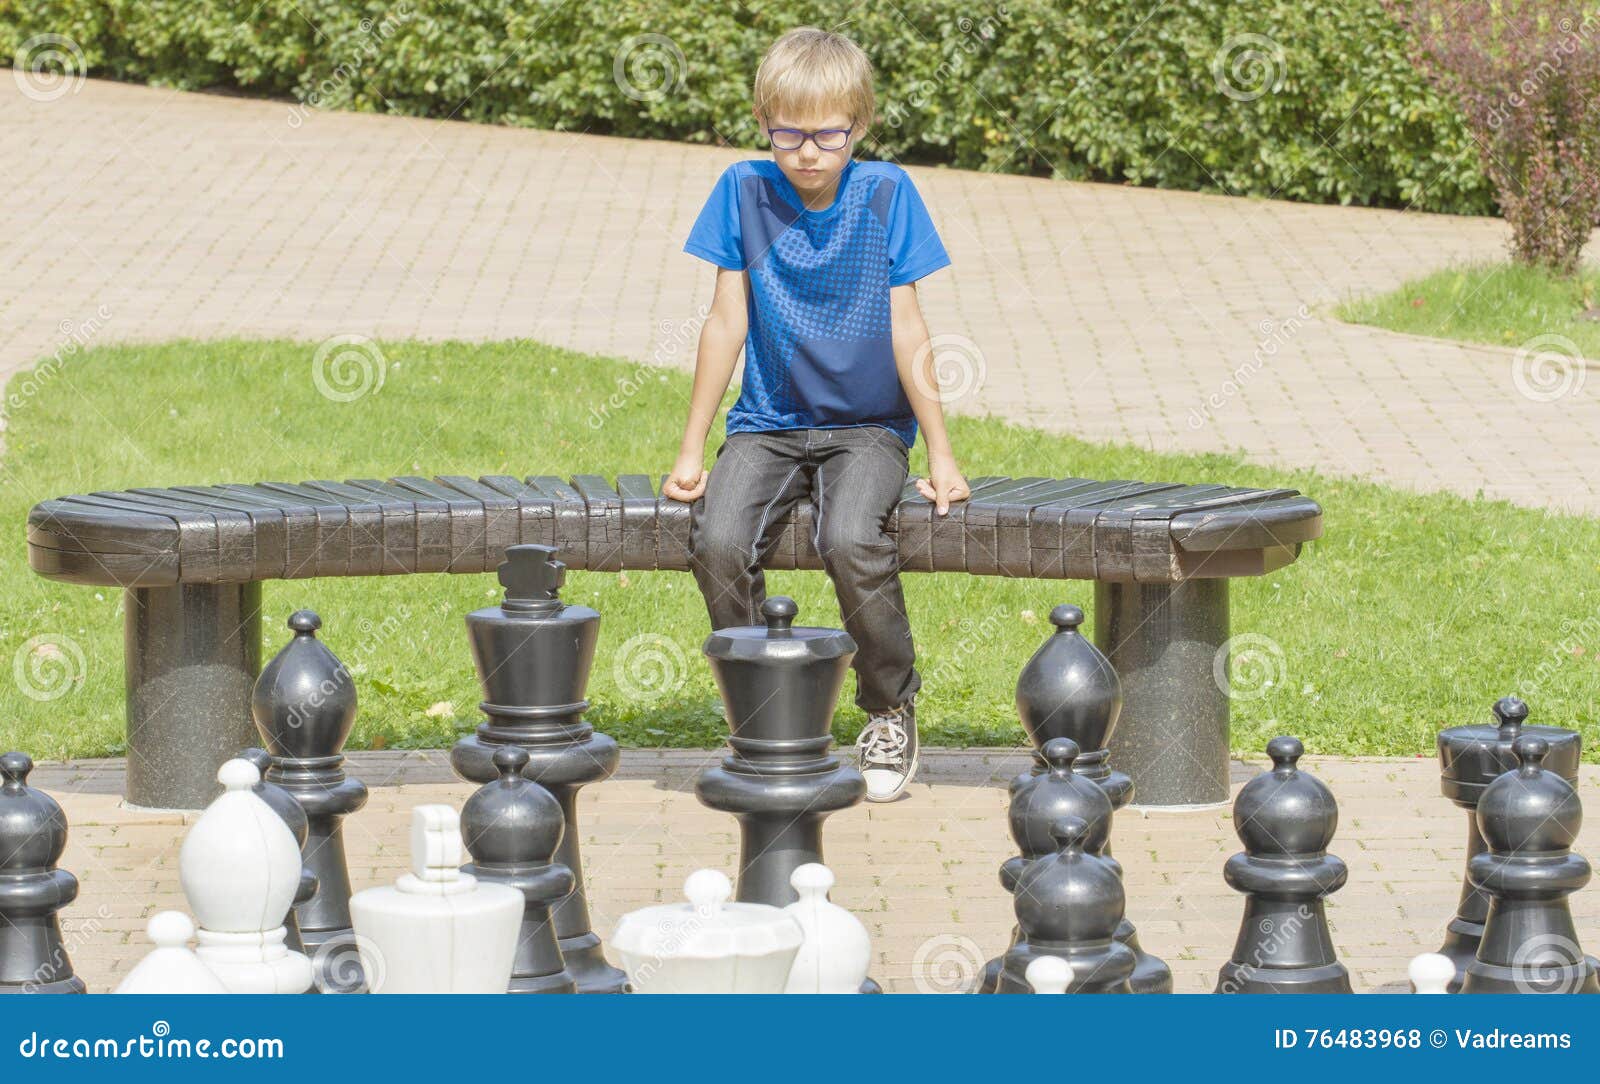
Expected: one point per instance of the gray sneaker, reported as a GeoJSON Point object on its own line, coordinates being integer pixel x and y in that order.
{"type": "Point", "coordinates": [887, 752]}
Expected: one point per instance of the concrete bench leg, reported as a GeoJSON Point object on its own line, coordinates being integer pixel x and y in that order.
{"type": "Point", "coordinates": [191, 654]}
{"type": "Point", "coordinates": [1163, 641]}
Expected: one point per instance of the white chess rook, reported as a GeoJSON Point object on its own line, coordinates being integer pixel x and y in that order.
{"type": "Point", "coordinates": [437, 930]}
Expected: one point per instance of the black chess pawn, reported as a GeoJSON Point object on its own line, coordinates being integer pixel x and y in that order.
{"type": "Point", "coordinates": [779, 684]}
{"type": "Point", "coordinates": [533, 653]}
{"type": "Point", "coordinates": [1038, 803]}
{"type": "Point", "coordinates": [1069, 689]}
{"type": "Point", "coordinates": [33, 833]}
{"type": "Point", "coordinates": [1529, 818]}
{"type": "Point", "coordinates": [1285, 818]}
{"type": "Point", "coordinates": [304, 705]}
{"type": "Point", "coordinates": [288, 810]}
{"type": "Point", "coordinates": [1068, 905]}
{"type": "Point", "coordinates": [1470, 758]}
{"type": "Point", "coordinates": [512, 827]}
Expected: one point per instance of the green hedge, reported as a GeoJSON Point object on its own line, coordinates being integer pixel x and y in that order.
{"type": "Point", "coordinates": [1122, 90]}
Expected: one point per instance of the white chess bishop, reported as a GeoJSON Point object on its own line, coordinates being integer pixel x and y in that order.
{"type": "Point", "coordinates": [170, 967]}
{"type": "Point", "coordinates": [240, 868]}
{"type": "Point", "coordinates": [437, 930]}
{"type": "Point", "coordinates": [837, 951]}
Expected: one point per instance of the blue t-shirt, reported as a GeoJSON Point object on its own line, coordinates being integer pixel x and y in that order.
{"type": "Point", "coordinates": [819, 352]}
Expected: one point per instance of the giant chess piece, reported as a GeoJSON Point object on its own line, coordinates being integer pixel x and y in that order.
{"type": "Point", "coordinates": [1038, 803]}
{"type": "Point", "coordinates": [1470, 758]}
{"type": "Point", "coordinates": [779, 684]}
{"type": "Point", "coordinates": [294, 818]}
{"type": "Point", "coordinates": [512, 827]}
{"type": "Point", "coordinates": [437, 929]}
{"type": "Point", "coordinates": [1529, 818]}
{"type": "Point", "coordinates": [1068, 905]}
{"type": "Point", "coordinates": [171, 967]}
{"type": "Point", "coordinates": [304, 705]}
{"type": "Point", "coordinates": [1285, 818]}
{"type": "Point", "coordinates": [533, 653]}
{"type": "Point", "coordinates": [240, 867]}
{"type": "Point", "coordinates": [1068, 689]}
{"type": "Point", "coordinates": [33, 833]}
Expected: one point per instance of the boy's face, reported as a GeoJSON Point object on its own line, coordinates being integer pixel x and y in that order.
{"type": "Point", "coordinates": [810, 169]}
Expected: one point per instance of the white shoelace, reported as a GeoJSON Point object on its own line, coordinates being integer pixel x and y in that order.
{"type": "Point", "coordinates": [883, 741]}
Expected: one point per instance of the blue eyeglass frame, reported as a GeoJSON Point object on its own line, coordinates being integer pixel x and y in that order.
{"type": "Point", "coordinates": [804, 135]}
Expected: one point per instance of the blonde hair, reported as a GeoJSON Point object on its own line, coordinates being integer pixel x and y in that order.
{"type": "Point", "coordinates": [810, 73]}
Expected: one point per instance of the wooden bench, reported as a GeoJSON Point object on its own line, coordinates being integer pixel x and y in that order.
{"type": "Point", "coordinates": [191, 560]}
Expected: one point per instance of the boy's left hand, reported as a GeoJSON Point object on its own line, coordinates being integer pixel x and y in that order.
{"type": "Point", "coordinates": [944, 484]}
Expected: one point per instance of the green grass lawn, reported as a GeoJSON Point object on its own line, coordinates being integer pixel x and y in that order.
{"type": "Point", "coordinates": [1496, 304]}
{"type": "Point", "coordinates": [1414, 613]}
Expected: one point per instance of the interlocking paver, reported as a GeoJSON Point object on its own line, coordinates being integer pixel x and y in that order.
{"type": "Point", "coordinates": [1171, 320]}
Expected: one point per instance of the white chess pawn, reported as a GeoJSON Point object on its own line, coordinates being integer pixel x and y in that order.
{"type": "Point", "coordinates": [170, 967]}
{"type": "Point", "coordinates": [1048, 975]}
{"type": "Point", "coordinates": [1431, 973]}
{"type": "Point", "coordinates": [240, 868]}
{"type": "Point", "coordinates": [437, 930]}
{"type": "Point", "coordinates": [837, 951]}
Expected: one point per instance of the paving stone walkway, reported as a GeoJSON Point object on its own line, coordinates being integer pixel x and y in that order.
{"type": "Point", "coordinates": [921, 872]}
{"type": "Point", "coordinates": [1171, 320]}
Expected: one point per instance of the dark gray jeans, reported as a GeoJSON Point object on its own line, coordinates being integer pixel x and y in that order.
{"type": "Point", "coordinates": [853, 478]}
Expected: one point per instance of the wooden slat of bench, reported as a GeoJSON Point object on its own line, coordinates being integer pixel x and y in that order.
{"type": "Point", "coordinates": [672, 531]}
{"type": "Point", "coordinates": [468, 521]}
{"type": "Point", "coordinates": [269, 529]}
{"type": "Point", "coordinates": [237, 530]}
{"type": "Point", "coordinates": [536, 517]}
{"type": "Point", "coordinates": [572, 517]}
{"type": "Point", "coordinates": [603, 507]}
{"type": "Point", "coordinates": [335, 535]}
{"type": "Point", "coordinates": [302, 527]}
{"type": "Point", "coordinates": [197, 533]}
{"type": "Point", "coordinates": [638, 521]}
{"type": "Point", "coordinates": [431, 526]}
{"type": "Point", "coordinates": [382, 534]}
{"type": "Point", "coordinates": [501, 521]}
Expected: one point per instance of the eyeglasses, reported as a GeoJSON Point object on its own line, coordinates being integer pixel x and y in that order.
{"type": "Point", "coordinates": [826, 139]}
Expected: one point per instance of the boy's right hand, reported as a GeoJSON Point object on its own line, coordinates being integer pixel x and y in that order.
{"type": "Point", "coordinates": [687, 482]}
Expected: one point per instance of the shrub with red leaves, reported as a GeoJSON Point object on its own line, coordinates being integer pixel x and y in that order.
{"type": "Point", "coordinates": [1526, 74]}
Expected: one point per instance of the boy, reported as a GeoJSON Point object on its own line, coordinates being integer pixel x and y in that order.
{"type": "Point", "coordinates": [817, 258]}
